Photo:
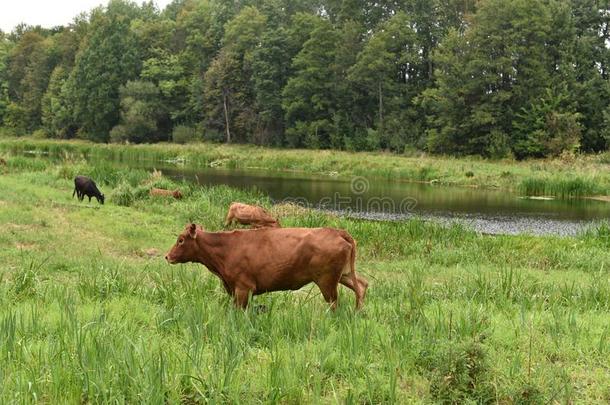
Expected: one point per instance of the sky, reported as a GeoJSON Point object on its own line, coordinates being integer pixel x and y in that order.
{"type": "Point", "coordinates": [48, 13]}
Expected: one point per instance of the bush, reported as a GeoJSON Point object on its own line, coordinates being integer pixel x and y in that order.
{"type": "Point", "coordinates": [213, 135]}
{"type": "Point", "coordinates": [122, 195]}
{"type": "Point", "coordinates": [39, 134]}
{"type": "Point", "coordinates": [185, 134]}
{"type": "Point", "coordinates": [458, 372]}
{"type": "Point", "coordinates": [140, 192]}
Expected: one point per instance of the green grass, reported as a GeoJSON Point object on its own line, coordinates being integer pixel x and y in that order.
{"type": "Point", "coordinates": [567, 178]}
{"type": "Point", "coordinates": [560, 187]}
{"type": "Point", "coordinates": [90, 312]}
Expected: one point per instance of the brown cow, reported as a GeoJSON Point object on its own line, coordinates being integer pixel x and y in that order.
{"type": "Point", "coordinates": [160, 192]}
{"type": "Point", "coordinates": [253, 215]}
{"type": "Point", "coordinates": [273, 259]}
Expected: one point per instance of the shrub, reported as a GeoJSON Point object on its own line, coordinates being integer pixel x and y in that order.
{"type": "Point", "coordinates": [458, 372]}
{"type": "Point", "coordinates": [39, 134]}
{"type": "Point", "coordinates": [122, 195]}
{"type": "Point", "coordinates": [185, 134]}
{"type": "Point", "coordinates": [213, 135]}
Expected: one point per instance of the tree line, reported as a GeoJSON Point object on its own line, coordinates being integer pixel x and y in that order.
{"type": "Point", "coordinates": [522, 78]}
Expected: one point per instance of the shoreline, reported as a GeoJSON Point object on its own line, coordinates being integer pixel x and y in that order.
{"type": "Point", "coordinates": [586, 177]}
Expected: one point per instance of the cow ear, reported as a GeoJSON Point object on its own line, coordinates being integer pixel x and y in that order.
{"type": "Point", "coordinates": [193, 231]}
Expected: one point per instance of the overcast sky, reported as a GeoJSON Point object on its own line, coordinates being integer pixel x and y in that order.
{"type": "Point", "coordinates": [48, 13]}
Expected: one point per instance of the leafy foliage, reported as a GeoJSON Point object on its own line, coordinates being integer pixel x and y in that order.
{"type": "Point", "coordinates": [492, 77]}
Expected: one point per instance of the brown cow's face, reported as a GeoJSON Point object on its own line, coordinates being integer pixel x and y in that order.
{"type": "Point", "coordinates": [186, 248]}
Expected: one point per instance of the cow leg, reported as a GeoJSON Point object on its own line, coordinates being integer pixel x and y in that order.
{"type": "Point", "coordinates": [229, 219]}
{"type": "Point", "coordinates": [89, 198]}
{"type": "Point", "coordinates": [364, 285]}
{"type": "Point", "coordinates": [328, 286]}
{"type": "Point", "coordinates": [354, 283]}
{"type": "Point", "coordinates": [240, 297]}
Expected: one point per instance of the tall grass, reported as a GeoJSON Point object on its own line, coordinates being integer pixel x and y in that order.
{"type": "Point", "coordinates": [587, 175]}
{"type": "Point", "coordinates": [561, 187]}
{"type": "Point", "coordinates": [89, 311]}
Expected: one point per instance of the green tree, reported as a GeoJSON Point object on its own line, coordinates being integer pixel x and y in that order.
{"type": "Point", "coordinates": [228, 92]}
{"type": "Point", "coordinates": [386, 77]}
{"type": "Point", "coordinates": [270, 72]}
{"type": "Point", "coordinates": [143, 115]}
{"type": "Point", "coordinates": [57, 117]}
{"type": "Point", "coordinates": [29, 67]}
{"type": "Point", "coordinates": [309, 96]}
{"type": "Point", "coordinates": [592, 60]}
{"type": "Point", "coordinates": [487, 74]}
{"type": "Point", "coordinates": [547, 127]}
{"type": "Point", "coordinates": [5, 47]}
{"type": "Point", "coordinates": [347, 112]}
{"type": "Point", "coordinates": [167, 73]}
{"type": "Point", "coordinates": [56, 108]}
{"type": "Point", "coordinates": [108, 58]}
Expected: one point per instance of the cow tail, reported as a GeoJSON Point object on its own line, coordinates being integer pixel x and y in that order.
{"type": "Point", "coordinates": [353, 275]}
{"type": "Point", "coordinates": [360, 284]}
{"type": "Point", "coordinates": [74, 192]}
{"type": "Point", "coordinates": [352, 260]}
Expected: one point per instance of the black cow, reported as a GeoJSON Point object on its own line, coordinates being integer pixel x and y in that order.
{"type": "Point", "coordinates": [84, 186]}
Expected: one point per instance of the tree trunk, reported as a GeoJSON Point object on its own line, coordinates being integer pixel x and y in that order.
{"type": "Point", "coordinates": [226, 110]}
{"type": "Point", "coordinates": [380, 109]}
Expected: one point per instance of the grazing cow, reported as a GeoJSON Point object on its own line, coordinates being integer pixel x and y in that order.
{"type": "Point", "coordinates": [273, 259]}
{"type": "Point", "coordinates": [84, 186]}
{"type": "Point", "coordinates": [160, 192]}
{"type": "Point", "coordinates": [252, 215]}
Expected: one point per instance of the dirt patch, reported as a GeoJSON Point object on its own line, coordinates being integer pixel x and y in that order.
{"type": "Point", "coordinates": [25, 246]}
{"type": "Point", "coordinates": [152, 252]}
{"type": "Point", "coordinates": [22, 227]}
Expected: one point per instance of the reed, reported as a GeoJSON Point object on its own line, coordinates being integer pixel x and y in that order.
{"type": "Point", "coordinates": [584, 175]}
{"type": "Point", "coordinates": [561, 187]}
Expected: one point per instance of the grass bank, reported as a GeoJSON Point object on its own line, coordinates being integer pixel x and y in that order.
{"type": "Point", "coordinates": [567, 178]}
{"type": "Point", "coordinates": [90, 312]}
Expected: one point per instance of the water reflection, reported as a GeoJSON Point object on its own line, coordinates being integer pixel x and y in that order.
{"type": "Point", "coordinates": [394, 198]}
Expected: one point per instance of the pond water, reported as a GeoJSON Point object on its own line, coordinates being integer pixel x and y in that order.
{"type": "Point", "coordinates": [487, 211]}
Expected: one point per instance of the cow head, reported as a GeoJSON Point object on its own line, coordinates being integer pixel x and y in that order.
{"type": "Point", "coordinates": [177, 194]}
{"type": "Point", "coordinates": [100, 198]}
{"type": "Point", "coordinates": [186, 247]}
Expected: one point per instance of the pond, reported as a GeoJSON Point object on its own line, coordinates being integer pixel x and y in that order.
{"type": "Point", "coordinates": [487, 211]}
{"type": "Point", "coordinates": [484, 210]}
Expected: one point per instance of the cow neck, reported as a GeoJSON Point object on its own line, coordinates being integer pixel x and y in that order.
{"type": "Point", "coordinates": [212, 252]}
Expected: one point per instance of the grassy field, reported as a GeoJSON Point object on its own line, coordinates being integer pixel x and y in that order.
{"type": "Point", "coordinates": [566, 178]}
{"type": "Point", "coordinates": [90, 312]}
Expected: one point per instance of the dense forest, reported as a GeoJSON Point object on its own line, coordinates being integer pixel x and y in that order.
{"type": "Point", "coordinates": [522, 78]}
